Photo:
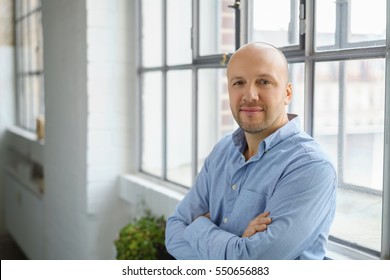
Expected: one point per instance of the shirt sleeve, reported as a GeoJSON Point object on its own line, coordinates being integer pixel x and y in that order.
{"type": "Point", "coordinates": [302, 208]}
{"type": "Point", "coordinates": [194, 204]}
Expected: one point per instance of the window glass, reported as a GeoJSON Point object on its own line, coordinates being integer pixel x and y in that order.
{"type": "Point", "coordinates": [33, 42]}
{"type": "Point", "coordinates": [368, 24]}
{"type": "Point", "coordinates": [25, 45]}
{"type": "Point", "coordinates": [151, 33]}
{"type": "Point", "coordinates": [179, 126]}
{"type": "Point", "coordinates": [152, 124]}
{"type": "Point", "coordinates": [29, 62]}
{"type": "Point", "coordinates": [325, 17]}
{"type": "Point", "coordinates": [179, 22]}
{"type": "Point", "coordinates": [350, 24]}
{"type": "Point", "coordinates": [214, 115]}
{"type": "Point", "coordinates": [349, 123]}
{"type": "Point", "coordinates": [216, 27]}
{"type": "Point", "coordinates": [364, 122]}
{"type": "Point", "coordinates": [275, 22]}
{"type": "Point", "coordinates": [297, 78]}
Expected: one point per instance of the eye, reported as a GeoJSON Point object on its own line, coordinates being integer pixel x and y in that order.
{"type": "Point", "coordinates": [238, 83]}
{"type": "Point", "coordinates": [263, 82]}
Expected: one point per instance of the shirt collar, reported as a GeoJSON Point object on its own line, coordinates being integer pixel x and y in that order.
{"type": "Point", "coordinates": [291, 128]}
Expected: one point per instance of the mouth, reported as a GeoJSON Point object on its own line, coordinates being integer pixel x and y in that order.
{"type": "Point", "coordinates": [251, 110]}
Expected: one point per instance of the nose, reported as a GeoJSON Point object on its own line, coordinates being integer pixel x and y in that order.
{"type": "Point", "coordinates": [251, 94]}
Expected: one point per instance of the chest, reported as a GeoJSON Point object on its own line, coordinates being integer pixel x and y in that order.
{"type": "Point", "coordinates": [239, 191]}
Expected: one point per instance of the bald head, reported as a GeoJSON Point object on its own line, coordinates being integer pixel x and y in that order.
{"type": "Point", "coordinates": [259, 89]}
{"type": "Point", "coordinates": [258, 52]}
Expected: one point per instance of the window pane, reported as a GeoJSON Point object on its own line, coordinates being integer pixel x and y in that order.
{"type": "Point", "coordinates": [349, 123]}
{"type": "Point", "coordinates": [179, 22]}
{"type": "Point", "coordinates": [297, 78]}
{"type": "Point", "coordinates": [364, 122]}
{"type": "Point", "coordinates": [368, 24]}
{"type": "Point", "coordinates": [346, 24]}
{"type": "Point", "coordinates": [25, 45]}
{"type": "Point", "coordinates": [281, 29]}
{"type": "Point", "coordinates": [29, 65]}
{"type": "Point", "coordinates": [39, 42]}
{"type": "Point", "coordinates": [34, 4]}
{"type": "Point", "coordinates": [151, 33]}
{"type": "Point", "coordinates": [214, 111]}
{"type": "Point", "coordinates": [152, 123]}
{"type": "Point", "coordinates": [216, 28]}
{"type": "Point", "coordinates": [33, 43]}
{"type": "Point", "coordinates": [325, 17]}
{"type": "Point", "coordinates": [19, 48]}
{"type": "Point", "coordinates": [37, 91]}
{"type": "Point", "coordinates": [179, 126]}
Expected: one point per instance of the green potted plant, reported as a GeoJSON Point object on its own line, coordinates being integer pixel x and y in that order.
{"type": "Point", "coordinates": [143, 239]}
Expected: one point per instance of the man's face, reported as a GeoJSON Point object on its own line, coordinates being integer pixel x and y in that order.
{"type": "Point", "coordinates": [258, 89]}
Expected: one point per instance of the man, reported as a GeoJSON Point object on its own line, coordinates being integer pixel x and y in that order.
{"type": "Point", "coordinates": [265, 192]}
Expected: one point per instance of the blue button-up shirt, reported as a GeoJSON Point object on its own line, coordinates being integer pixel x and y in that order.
{"type": "Point", "coordinates": [289, 176]}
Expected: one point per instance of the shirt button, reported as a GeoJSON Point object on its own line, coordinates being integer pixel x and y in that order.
{"type": "Point", "coordinates": [225, 220]}
{"type": "Point", "coordinates": [234, 187]}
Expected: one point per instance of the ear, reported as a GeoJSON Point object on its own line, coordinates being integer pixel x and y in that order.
{"type": "Point", "coordinates": [288, 96]}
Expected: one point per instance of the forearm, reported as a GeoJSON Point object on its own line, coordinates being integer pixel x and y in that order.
{"type": "Point", "coordinates": [212, 242]}
{"type": "Point", "coordinates": [176, 245]}
{"type": "Point", "coordinates": [205, 238]}
{"type": "Point", "coordinates": [293, 230]}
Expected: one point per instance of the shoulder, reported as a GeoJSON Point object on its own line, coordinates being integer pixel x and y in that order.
{"type": "Point", "coordinates": [224, 144]}
{"type": "Point", "coordinates": [307, 151]}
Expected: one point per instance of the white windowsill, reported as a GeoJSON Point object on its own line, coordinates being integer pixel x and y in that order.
{"type": "Point", "coordinates": [23, 133]}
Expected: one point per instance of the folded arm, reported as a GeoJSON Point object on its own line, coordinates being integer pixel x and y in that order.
{"type": "Point", "coordinates": [302, 205]}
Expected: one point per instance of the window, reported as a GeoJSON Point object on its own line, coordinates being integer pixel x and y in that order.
{"type": "Point", "coordinates": [184, 105]}
{"type": "Point", "coordinates": [349, 112]}
{"type": "Point", "coordinates": [337, 58]}
{"type": "Point", "coordinates": [29, 62]}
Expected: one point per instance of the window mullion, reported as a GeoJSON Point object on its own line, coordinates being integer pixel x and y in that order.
{"type": "Point", "coordinates": [309, 66]}
{"type": "Point", "coordinates": [164, 93]}
{"type": "Point", "coordinates": [245, 20]}
{"type": "Point", "coordinates": [341, 126]}
{"type": "Point", "coordinates": [237, 22]}
{"type": "Point", "coordinates": [342, 23]}
{"type": "Point", "coordinates": [195, 111]}
{"type": "Point", "coordinates": [195, 34]}
{"type": "Point", "coordinates": [385, 242]}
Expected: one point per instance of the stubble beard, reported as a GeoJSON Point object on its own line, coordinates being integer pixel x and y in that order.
{"type": "Point", "coordinates": [257, 126]}
{"type": "Point", "coordinates": [252, 127]}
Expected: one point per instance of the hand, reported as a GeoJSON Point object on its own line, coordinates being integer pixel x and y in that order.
{"type": "Point", "coordinates": [258, 224]}
{"type": "Point", "coordinates": [206, 215]}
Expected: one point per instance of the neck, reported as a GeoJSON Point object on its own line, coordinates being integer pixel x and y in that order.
{"type": "Point", "coordinates": [254, 139]}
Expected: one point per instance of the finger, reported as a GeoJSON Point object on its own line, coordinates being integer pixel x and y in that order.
{"type": "Point", "coordinates": [259, 221]}
{"type": "Point", "coordinates": [264, 214]}
{"type": "Point", "coordinates": [260, 228]}
{"type": "Point", "coordinates": [249, 232]}
{"type": "Point", "coordinates": [259, 217]}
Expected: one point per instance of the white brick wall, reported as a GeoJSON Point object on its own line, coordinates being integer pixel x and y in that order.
{"type": "Point", "coordinates": [88, 73]}
{"type": "Point", "coordinates": [7, 90]}
{"type": "Point", "coordinates": [109, 63]}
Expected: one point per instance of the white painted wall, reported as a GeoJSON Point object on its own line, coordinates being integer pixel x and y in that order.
{"type": "Point", "coordinates": [87, 86]}
{"type": "Point", "coordinates": [7, 90]}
